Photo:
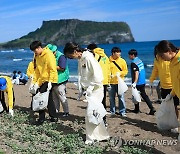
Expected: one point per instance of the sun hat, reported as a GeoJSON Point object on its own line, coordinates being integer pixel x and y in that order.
{"type": "Point", "coordinates": [2, 83]}
{"type": "Point", "coordinates": [53, 48]}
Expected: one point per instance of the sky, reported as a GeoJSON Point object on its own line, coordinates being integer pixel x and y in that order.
{"type": "Point", "coordinates": [149, 20]}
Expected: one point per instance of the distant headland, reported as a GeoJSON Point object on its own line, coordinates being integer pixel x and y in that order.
{"type": "Point", "coordinates": [62, 31]}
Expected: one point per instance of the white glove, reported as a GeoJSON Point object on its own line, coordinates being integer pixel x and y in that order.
{"type": "Point", "coordinates": [33, 88]}
{"type": "Point", "coordinates": [118, 74]}
{"type": "Point", "coordinates": [134, 85]}
{"type": "Point", "coordinates": [168, 97]}
{"type": "Point", "coordinates": [11, 112]}
{"type": "Point", "coordinates": [31, 77]}
{"type": "Point", "coordinates": [49, 85]}
{"type": "Point", "coordinates": [151, 88]}
{"type": "Point", "coordinates": [150, 84]}
{"type": "Point", "coordinates": [89, 90]}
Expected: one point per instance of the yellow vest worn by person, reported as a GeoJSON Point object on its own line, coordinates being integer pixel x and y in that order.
{"type": "Point", "coordinates": [103, 60]}
{"type": "Point", "coordinates": [175, 75]}
{"type": "Point", "coordinates": [161, 69]}
{"type": "Point", "coordinates": [114, 69]}
{"type": "Point", "coordinates": [9, 91]}
{"type": "Point", "coordinates": [46, 70]}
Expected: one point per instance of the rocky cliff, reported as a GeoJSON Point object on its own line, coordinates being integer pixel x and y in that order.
{"type": "Point", "coordinates": [60, 32]}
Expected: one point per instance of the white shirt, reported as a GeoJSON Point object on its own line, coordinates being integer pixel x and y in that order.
{"type": "Point", "coordinates": [90, 71]}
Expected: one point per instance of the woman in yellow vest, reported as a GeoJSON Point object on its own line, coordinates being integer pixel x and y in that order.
{"type": "Point", "coordinates": [169, 52]}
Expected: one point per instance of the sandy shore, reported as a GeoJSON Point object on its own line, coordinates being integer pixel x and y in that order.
{"type": "Point", "coordinates": [133, 127]}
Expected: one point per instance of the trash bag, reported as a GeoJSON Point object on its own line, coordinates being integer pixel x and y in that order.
{"type": "Point", "coordinates": [95, 109]}
{"type": "Point", "coordinates": [122, 87]}
{"type": "Point", "coordinates": [136, 95]}
{"type": "Point", "coordinates": [40, 101]}
{"type": "Point", "coordinates": [165, 116]}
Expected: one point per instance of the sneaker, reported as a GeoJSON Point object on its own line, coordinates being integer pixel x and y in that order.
{"type": "Point", "coordinates": [174, 130]}
{"type": "Point", "coordinates": [65, 114]}
{"type": "Point", "coordinates": [54, 119]}
{"type": "Point", "coordinates": [124, 115]}
{"type": "Point", "coordinates": [135, 111]}
{"type": "Point", "coordinates": [152, 111]}
{"type": "Point", "coordinates": [88, 142]}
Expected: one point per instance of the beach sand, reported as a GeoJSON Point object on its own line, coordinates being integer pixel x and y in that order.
{"type": "Point", "coordinates": [133, 127]}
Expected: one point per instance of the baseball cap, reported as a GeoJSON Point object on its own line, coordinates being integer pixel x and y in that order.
{"type": "Point", "coordinates": [2, 83]}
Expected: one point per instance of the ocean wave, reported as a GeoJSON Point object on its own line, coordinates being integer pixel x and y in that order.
{"type": "Point", "coordinates": [7, 51]}
{"type": "Point", "coordinates": [21, 50]}
{"type": "Point", "coordinates": [17, 59]}
{"type": "Point", "coordinates": [149, 65]}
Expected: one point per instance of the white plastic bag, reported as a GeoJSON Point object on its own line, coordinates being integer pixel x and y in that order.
{"type": "Point", "coordinates": [136, 95]}
{"type": "Point", "coordinates": [95, 109]}
{"type": "Point", "coordinates": [165, 116]}
{"type": "Point", "coordinates": [122, 87]}
{"type": "Point", "coordinates": [1, 107]}
{"type": "Point", "coordinates": [40, 101]}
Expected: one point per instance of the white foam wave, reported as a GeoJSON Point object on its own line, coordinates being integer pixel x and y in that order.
{"type": "Point", "coordinates": [149, 65]}
{"type": "Point", "coordinates": [17, 59]}
{"type": "Point", "coordinates": [7, 51]}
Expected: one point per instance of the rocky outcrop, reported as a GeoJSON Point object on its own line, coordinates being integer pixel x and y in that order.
{"type": "Point", "coordinates": [60, 32]}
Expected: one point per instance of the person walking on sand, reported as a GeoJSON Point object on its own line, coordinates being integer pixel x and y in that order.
{"type": "Point", "coordinates": [6, 86]}
{"type": "Point", "coordinates": [161, 69]}
{"type": "Point", "coordinates": [169, 52]}
{"type": "Point", "coordinates": [91, 78]}
{"type": "Point", "coordinates": [118, 66]}
{"type": "Point", "coordinates": [45, 78]}
{"type": "Point", "coordinates": [59, 90]}
{"type": "Point", "coordinates": [138, 80]}
{"type": "Point", "coordinates": [103, 60]}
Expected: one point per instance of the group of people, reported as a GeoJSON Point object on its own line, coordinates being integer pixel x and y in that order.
{"type": "Point", "coordinates": [19, 78]}
{"type": "Point", "coordinates": [97, 74]}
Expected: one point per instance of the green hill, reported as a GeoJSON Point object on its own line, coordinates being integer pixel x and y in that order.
{"type": "Point", "coordinates": [60, 32]}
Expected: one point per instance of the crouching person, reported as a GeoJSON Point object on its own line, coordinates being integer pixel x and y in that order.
{"type": "Point", "coordinates": [45, 78]}
{"type": "Point", "coordinates": [90, 78]}
{"type": "Point", "coordinates": [6, 86]}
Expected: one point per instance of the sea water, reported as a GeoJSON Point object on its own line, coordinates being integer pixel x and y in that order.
{"type": "Point", "coordinates": [18, 59]}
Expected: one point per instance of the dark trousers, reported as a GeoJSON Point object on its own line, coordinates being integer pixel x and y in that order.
{"type": "Point", "coordinates": [23, 81]}
{"type": "Point", "coordinates": [165, 92]}
{"type": "Point", "coordinates": [143, 94]}
{"type": "Point", "coordinates": [104, 100]}
{"type": "Point", "coordinates": [2, 99]}
{"type": "Point", "coordinates": [51, 105]}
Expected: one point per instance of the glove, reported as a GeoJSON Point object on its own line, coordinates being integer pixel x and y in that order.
{"type": "Point", "coordinates": [151, 88]}
{"type": "Point", "coordinates": [150, 84]}
{"type": "Point", "coordinates": [89, 90]}
{"type": "Point", "coordinates": [49, 85]}
{"type": "Point", "coordinates": [33, 88]}
{"type": "Point", "coordinates": [134, 85]}
{"type": "Point", "coordinates": [31, 77]}
{"type": "Point", "coordinates": [81, 92]}
{"type": "Point", "coordinates": [168, 97]}
{"type": "Point", "coordinates": [11, 112]}
{"type": "Point", "coordinates": [108, 87]}
{"type": "Point", "coordinates": [118, 74]}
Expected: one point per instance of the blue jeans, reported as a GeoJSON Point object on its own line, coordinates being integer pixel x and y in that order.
{"type": "Point", "coordinates": [112, 95]}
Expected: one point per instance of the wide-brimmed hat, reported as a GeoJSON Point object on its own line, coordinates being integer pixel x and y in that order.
{"type": "Point", "coordinates": [3, 84]}
{"type": "Point", "coordinates": [53, 48]}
